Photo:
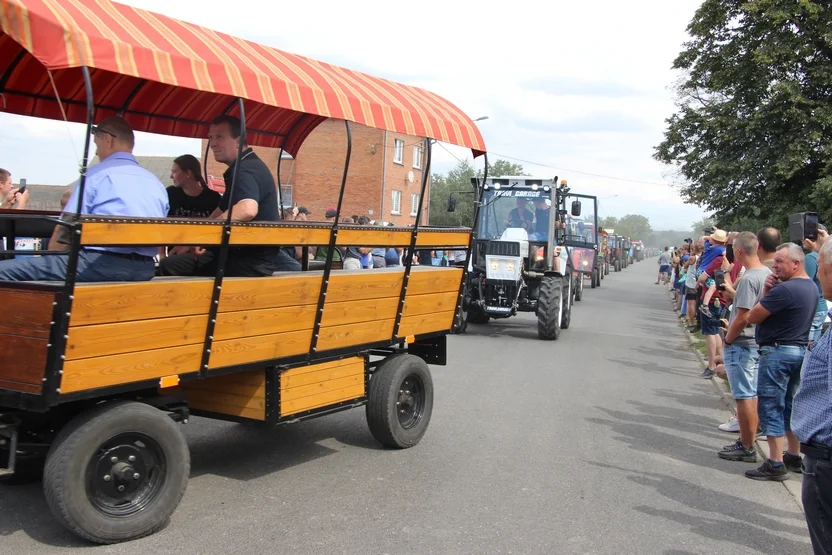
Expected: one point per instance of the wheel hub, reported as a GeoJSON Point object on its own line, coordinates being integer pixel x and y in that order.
{"type": "Point", "coordinates": [410, 403]}
{"type": "Point", "coordinates": [125, 474]}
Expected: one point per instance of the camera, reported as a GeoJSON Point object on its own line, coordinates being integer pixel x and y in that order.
{"type": "Point", "coordinates": [803, 225]}
{"type": "Point", "coordinates": [689, 240]}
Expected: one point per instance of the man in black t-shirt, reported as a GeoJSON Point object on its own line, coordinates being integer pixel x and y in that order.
{"type": "Point", "coordinates": [520, 216]}
{"type": "Point", "coordinates": [783, 318]}
{"type": "Point", "coordinates": [254, 199]}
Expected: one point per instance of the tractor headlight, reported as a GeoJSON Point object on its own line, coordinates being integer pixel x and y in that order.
{"type": "Point", "coordinates": [509, 266]}
{"type": "Point", "coordinates": [586, 263]}
{"type": "Point", "coordinates": [495, 265]}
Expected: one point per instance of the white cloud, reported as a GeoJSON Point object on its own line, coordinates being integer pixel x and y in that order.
{"type": "Point", "coordinates": [571, 85]}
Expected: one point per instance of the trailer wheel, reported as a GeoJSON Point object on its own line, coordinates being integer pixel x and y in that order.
{"type": "Point", "coordinates": [117, 472]}
{"type": "Point", "coordinates": [550, 308]}
{"type": "Point", "coordinates": [400, 401]}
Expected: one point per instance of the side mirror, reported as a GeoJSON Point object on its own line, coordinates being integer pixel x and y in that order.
{"type": "Point", "coordinates": [576, 208]}
{"type": "Point", "coordinates": [451, 203]}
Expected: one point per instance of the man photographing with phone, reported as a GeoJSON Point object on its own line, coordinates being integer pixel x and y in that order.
{"type": "Point", "coordinates": [12, 197]}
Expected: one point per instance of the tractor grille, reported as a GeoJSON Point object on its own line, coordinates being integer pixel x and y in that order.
{"type": "Point", "coordinates": [501, 248]}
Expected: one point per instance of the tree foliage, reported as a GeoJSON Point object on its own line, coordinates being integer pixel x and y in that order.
{"type": "Point", "coordinates": [634, 226]}
{"type": "Point", "coordinates": [752, 133]}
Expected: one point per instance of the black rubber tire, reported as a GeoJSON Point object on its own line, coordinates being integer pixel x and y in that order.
{"type": "Point", "coordinates": [617, 266]}
{"type": "Point", "coordinates": [477, 316]}
{"type": "Point", "coordinates": [600, 277]}
{"type": "Point", "coordinates": [579, 290]}
{"type": "Point", "coordinates": [594, 278]}
{"type": "Point", "coordinates": [566, 319]}
{"type": "Point", "coordinates": [549, 308]}
{"type": "Point", "coordinates": [64, 481]}
{"type": "Point", "coordinates": [382, 417]}
{"type": "Point", "coordinates": [461, 318]}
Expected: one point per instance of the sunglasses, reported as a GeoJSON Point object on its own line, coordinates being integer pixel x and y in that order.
{"type": "Point", "coordinates": [95, 129]}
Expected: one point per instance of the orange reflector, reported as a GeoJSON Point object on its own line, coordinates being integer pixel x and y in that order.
{"type": "Point", "coordinates": [169, 381]}
{"type": "Point", "coordinates": [410, 339]}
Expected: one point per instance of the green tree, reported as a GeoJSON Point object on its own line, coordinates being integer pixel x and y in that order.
{"type": "Point", "coordinates": [697, 227]}
{"type": "Point", "coordinates": [634, 226]}
{"type": "Point", "coordinates": [457, 182]}
{"type": "Point", "coordinates": [502, 168]}
{"type": "Point", "coordinates": [752, 132]}
{"type": "Point", "coordinates": [610, 222]}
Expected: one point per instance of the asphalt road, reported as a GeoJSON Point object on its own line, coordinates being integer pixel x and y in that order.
{"type": "Point", "coordinates": [601, 442]}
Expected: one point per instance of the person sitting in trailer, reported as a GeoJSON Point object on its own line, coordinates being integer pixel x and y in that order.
{"type": "Point", "coordinates": [254, 200]}
{"type": "Point", "coordinates": [117, 186]}
{"type": "Point", "coordinates": [189, 197]}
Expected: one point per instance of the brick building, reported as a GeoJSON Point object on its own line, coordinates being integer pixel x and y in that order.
{"type": "Point", "coordinates": [383, 181]}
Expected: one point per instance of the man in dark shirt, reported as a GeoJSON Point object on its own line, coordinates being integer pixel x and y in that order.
{"type": "Point", "coordinates": [520, 216]}
{"type": "Point", "coordinates": [783, 318]}
{"type": "Point", "coordinates": [254, 199]}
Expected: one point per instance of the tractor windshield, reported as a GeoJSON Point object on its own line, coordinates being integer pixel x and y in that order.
{"type": "Point", "coordinates": [519, 208]}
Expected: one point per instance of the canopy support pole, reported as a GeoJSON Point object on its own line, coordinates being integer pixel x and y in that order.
{"type": "Point", "coordinates": [333, 236]}
{"type": "Point", "coordinates": [221, 256]}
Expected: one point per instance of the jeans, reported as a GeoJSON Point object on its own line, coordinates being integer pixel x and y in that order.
{"type": "Point", "coordinates": [238, 264]}
{"type": "Point", "coordinates": [778, 380]}
{"type": "Point", "coordinates": [817, 325]}
{"type": "Point", "coordinates": [817, 503]}
{"type": "Point", "coordinates": [741, 365]}
{"type": "Point", "coordinates": [92, 266]}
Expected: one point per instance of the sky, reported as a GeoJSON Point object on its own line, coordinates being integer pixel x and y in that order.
{"type": "Point", "coordinates": [568, 87]}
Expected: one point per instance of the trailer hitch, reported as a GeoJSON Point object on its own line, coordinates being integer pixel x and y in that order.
{"type": "Point", "coordinates": [9, 426]}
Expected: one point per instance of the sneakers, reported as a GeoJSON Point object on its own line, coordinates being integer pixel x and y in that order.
{"type": "Point", "coordinates": [736, 452]}
{"type": "Point", "coordinates": [793, 462]}
{"type": "Point", "coordinates": [705, 310]}
{"type": "Point", "coordinates": [732, 426]}
{"type": "Point", "coordinates": [768, 472]}
{"type": "Point", "coordinates": [707, 374]}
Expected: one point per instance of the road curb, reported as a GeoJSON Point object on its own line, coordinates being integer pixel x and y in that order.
{"type": "Point", "coordinates": [793, 484]}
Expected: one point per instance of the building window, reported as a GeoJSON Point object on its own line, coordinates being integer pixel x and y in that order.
{"type": "Point", "coordinates": [286, 196]}
{"type": "Point", "coordinates": [398, 151]}
{"type": "Point", "coordinates": [396, 208]}
{"type": "Point", "coordinates": [414, 204]}
{"type": "Point", "coordinates": [417, 157]}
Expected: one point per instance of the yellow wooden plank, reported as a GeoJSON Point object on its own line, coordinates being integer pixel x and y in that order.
{"type": "Point", "coordinates": [321, 375]}
{"type": "Point", "coordinates": [299, 370]}
{"type": "Point", "coordinates": [430, 303]}
{"type": "Point", "coordinates": [228, 399]}
{"type": "Point", "coordinates": [151, 233]}
{"type": "Point", "coordinates": [231, 410]}
{"type": "Point", "coordinates": [354, 312]}
{"type": "Point", "coordinates": [260, 348]}
{"type": "Point", "coordinates": [96, 303]}
{"type": "Point", "coordinates": [244, 389]}
{"type": "Point", "coordinates": [278, 235]}
{"type": "Point", "coordinates": [315, 389]}
{"type": "Point", "coordinates": [438, 239]}
{"type": "Point", "coordinates": [350, 335]}
{"type": "Point", "coordinates": [287, 289]}
{"type": "Point", "coordinates": [248, 323]}
{"type": "Point", "coordinates": [127, 337]}
{"type": "Point", "coordinates": [92, 373]}
{"type": "Point", "coordinates": [372, 237]}
{"type": "Point", "coordinates": [322, 400]}
{"type": "Point", "coordinates": [364, 285]}
{"type": "Point", "coordinates": [426, 323]}
{"type": "Point", "coordinates": [434, 279]}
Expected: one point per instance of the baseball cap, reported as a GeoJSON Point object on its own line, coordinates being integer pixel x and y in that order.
{"type": "Point", "coordinates": [303, 210]}
{"type": "Point", "coordinates": [331, 212]}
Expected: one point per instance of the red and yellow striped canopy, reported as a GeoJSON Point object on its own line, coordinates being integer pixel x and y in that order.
{"type": "Point", "coordinates": [171, 77]}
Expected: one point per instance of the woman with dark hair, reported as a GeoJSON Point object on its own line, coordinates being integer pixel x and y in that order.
{"type": "Point", "coordinates": [189, 196]}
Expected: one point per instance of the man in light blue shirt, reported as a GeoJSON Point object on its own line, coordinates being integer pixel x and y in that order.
{"type": "Point", "coordinates": [117, 186]}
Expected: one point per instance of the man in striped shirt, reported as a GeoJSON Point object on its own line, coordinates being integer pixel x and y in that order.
{"type": "Point", "coordinates": [812, 424]}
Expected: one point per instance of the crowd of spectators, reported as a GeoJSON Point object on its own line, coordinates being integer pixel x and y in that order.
{"type": "Point", "coordinates": [760, 304]}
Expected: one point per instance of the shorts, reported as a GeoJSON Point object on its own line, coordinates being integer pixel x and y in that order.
{"type": "Point", "coordinates": [741, 365]}
{"type": "Point", "coordinates": [710, 324]}
{"type": "Point", "coordinates": [709, 283]}
{"type": "Point", "coordinates": [777, 382]}
{"type": "Point", "coordinates": [690, 294]}
{"type": "Point", "coordinates": [664, 269]}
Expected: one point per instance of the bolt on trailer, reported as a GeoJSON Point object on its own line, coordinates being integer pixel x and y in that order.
{"type": "Point", "coordinates": [581, 238]}
{"type": "Point", "coordinates": [95, 376]}
{"type": "Point", "coordinates": [518, 262]}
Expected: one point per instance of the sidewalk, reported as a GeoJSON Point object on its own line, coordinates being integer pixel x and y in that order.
{"type": "Point", "coordinates": [794, 483]}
